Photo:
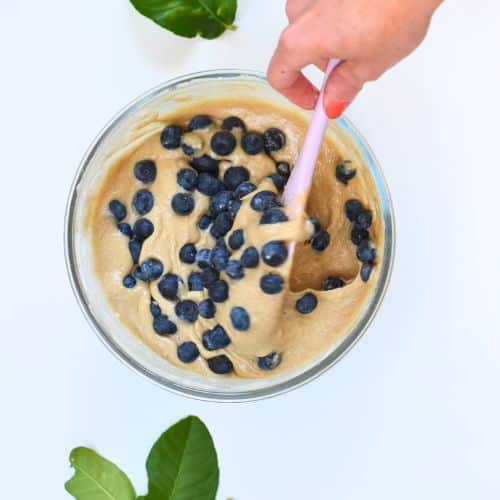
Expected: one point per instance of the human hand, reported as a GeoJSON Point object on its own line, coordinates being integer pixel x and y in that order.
{"type": "Point", "coordinates": [367, 36]}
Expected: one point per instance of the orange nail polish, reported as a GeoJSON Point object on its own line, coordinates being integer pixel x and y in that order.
{"type": "Point", "coordinates": [335, 108]}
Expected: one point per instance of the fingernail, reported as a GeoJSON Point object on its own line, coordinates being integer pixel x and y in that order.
{"type": "Point", "coordinates": [335, 108]}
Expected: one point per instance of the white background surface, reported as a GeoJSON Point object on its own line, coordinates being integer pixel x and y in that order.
{"type": "Point", "coordinates": [412, 412]}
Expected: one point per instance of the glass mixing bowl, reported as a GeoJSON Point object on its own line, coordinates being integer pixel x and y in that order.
{"type": "Point", "coordinates": [163, 99]}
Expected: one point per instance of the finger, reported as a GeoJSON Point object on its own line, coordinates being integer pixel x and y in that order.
{"type": "Point", "coordinates": [297, 89]}
{"type": "Point", "coordinates": [342, 87]}
{"type": "Point", "coordinates": [296, 49]}
{"type": "Point", "coordinates": [293, 53]}
{"type": "Point", "coordinates": [294, 8]}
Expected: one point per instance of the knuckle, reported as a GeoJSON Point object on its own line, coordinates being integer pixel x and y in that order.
{"type": "Point", "coordinates": [288, 39]}
{"type": "Point", "coordinates": [343, 42]}
{"type": "Point", "coordinates": [289, 9]}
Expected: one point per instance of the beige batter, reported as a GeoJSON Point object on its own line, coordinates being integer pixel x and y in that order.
{"type": "Point", "coordinates": [276, 326]}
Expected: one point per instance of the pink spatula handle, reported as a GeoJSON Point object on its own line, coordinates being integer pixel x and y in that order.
{"type": "Point", "coordinates": [298, 184]}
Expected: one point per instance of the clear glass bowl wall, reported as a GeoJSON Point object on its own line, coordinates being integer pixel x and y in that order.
{"type": "Point", "coordinates": [163, 99]}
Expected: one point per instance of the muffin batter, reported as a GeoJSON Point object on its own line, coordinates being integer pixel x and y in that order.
{"type": "Point", "coordinates": [190, 242]}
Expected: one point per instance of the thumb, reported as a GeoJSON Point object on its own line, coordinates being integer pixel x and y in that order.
{"type": "Point", "coordinates": [341, 88]}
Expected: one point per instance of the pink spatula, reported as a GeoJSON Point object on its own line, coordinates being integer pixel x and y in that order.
{"type": "Point", "coordinates": [299, 183]}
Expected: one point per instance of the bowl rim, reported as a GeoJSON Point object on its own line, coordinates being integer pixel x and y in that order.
{"type": "Point", "coordinates": [305, 376]}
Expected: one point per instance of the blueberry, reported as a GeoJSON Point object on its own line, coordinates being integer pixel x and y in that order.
{"type": "Point", "coordinates": [315, 223]}
{"type": "Point", "coordinates": [195, 283]}
{"type": "Point", "coordinates": [358, 234]}
{"type": "Point", "coordinates": [271, 283]}
{"type": "Point", "coordinates": [163, 326]}
{"type": "Point", "coordinates": [182, 203]}
{"type": "Point", "coordinates": [205, 164]}
{"type": "Point", "coordinates": [278, 181]}
{"type": "Point", "coordinates": [206, 308]}
{"type": "Point", "coordinates": [237, 239]}
{"type": "Point", "coordinates": [220, 202]}
{"type": "Point", "coordinates": [269, 362]}
{"type": "Point", "coordinates": [252, 143]}
{"type": "Point", "coordinates": [283, 168]}
{"type": "Point", "coordinates": [143, 229]}
{"type": "Point", "coordinates": [118, 210]}
{"type": "Point", "coordinates": [366, 270]}
{"type": "Point", "coordinates": [221, 365]}
{"type": "Point", "coordinates": [125, 229]}
{"type": "Point", "coordinates": [168, 286]}
{"type": "Point", "coordinates": [187, 310]}
{"type": "Point", "coordinates": [218, 291]}
{"type": "Point", "coordinates": [187, 149]}
{"type": "Point", "coordinates": [154, 308]}
{"type": "Point", "coordinates": [244, 188]}
{"type": "Point", "coordinates": [352, 209]}
{"type": "Point", "coordinates": [191, 143]}
{"type": "Point", "coordinates": [187, 352]}
{"type": "Point", "coordinates": [274, 139]}
{"type": "Point", "coordinates": [145, 171]}
{"type": "Point", "coordinates": [219, 257]}
{"type": "Point", "coordinates": [170, 137]}
{"type": "Point", "coordinates": [187, 253]}
{"type": "Point", "coordinates": [222, 225]}
{"type": "Point", "coordinates": [264, 200]}
{"type": "Point", "coordinates": [204, 222]}
{"type": "Point", "coordinates": [234, 176]}
{"type": "Point", "coordinates": [365, 252]}
{"type": "Point", "coordinates": [307, 303]}
{"type": "Point", "coordinates": [187, 178]}
{"type": "Point", "coordinates": [209, 275]}
{"type": "Point", "coordinates": [203, 258]}
{"type": "Point", "coordinates": [234, 270]}
{"type": "Point", "coordinates": [240, 319]}
{"type": "Point", "coordinates": [129, 281]}
{"type": "Point", "coordinates": [274, 253]}
{"type": "Point", "coordinates": [208, 185]}
{"type": "Point", "coordinates": [223, 143]}
{"type": "Point", "coordinates": [136, 272]}
{"type": "Point", "coordinates": [273, 216]}
{"type": "Point", "coordinates": [344, 173]}
{"type": "Point", "coordinates": [199, 121]}
{"type": "Point", "coordinates": [135, 247]}
{"type": "Point", "coordinates": [364, 219]}
{"type": "Point", "coordinates": [221, 242]}
{"type": "Point", "coordinates": [234, 207]}
{"type": "Point", "coordinates": [233, 122]}
{"type": "Point", "coordinates": [320, 240]}
{"type": "Point", "coordinates": [250, 257]}
{"type": "Point", "coordinates": [143, 201]}
{"type": "Point", "coordinates": [332, 283]}
{"type": "Point", "coordinates": [214, 339]}
{"type": "Point", "coordinates": [149, 270]}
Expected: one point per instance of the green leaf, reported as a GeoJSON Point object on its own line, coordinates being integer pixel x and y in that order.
{"type": "Point", "coordinates": [207, 18]}
{"type": "Point", "coordinates": [182, 464]}
{"type": "Point", "coordinates": [97, 478]}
